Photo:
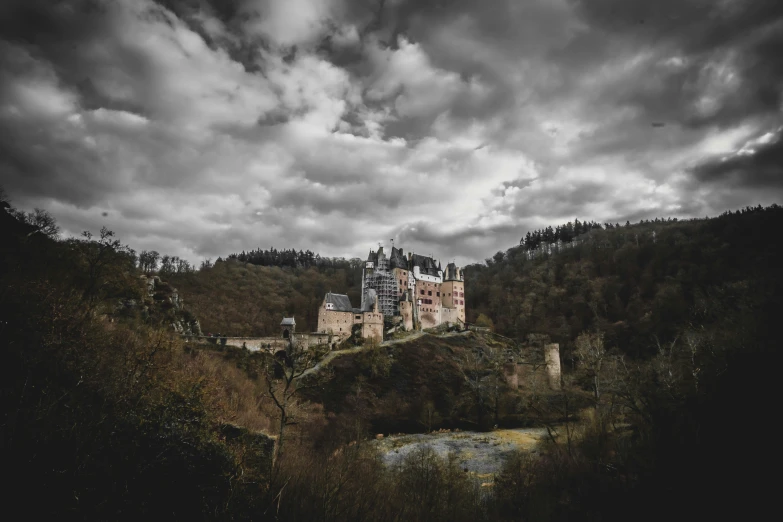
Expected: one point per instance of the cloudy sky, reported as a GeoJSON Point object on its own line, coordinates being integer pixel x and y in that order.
{"type": "Point", "coordinates": [204, 127]}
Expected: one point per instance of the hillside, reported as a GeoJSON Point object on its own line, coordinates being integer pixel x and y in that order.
{"type": "Point", "coordinates": [668, 342]}
{"type": "Point", "coordinates": [424, 383]}
{"type": "Point", "coordinates": [104, 409]}
{"type": "Point", "coordinates": [242, 299]}
{"type": "Point", "coordinates": [636, 283]}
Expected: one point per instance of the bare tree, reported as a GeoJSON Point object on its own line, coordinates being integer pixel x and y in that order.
{"type": "Point", "coordinates": [666, 367]}
{"type": "Point", "coordinates": [285, 379]}
{"type": "Point", "coordinates": [694, 342]}
{"type": "Point", "coordinates": [473, 372]}
{"type": "Point", "coordinates": [43, 222]}
{"type": "Point", "coordinates": [591, 354]}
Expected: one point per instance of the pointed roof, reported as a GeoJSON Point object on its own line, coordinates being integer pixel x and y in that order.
{"type": "Point", "coordinates": [451, 273]}
{"type": "Point", "coordinates": [426, 264]}
{"type": "Point", "coordinates": [341, 302]}
{"type": "Point", "coordinates": [288, 321]}
{"type": "Point", "coordinates": [398, 259]}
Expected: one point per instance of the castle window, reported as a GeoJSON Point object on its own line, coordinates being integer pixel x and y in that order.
{"type": "Point", "coordinates": [422, 292]}
{"type": "Point", "coordinates": [358, 316]}
{"type": "Point", "coordinates": [437, 294]}
{"type": "Point", "coordinates": [429, 293]}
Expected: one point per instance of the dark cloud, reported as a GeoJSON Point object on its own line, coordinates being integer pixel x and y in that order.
{"type": "Point", "coordinates": [464, 246]}
{"type": "Point", "coordinates": [60, 169]}
{"type": "Point", "coordinates": [209, 126]}
{"type": "Point", "coordinates": [758, 167]}
{"type": "Point", "coordinates": [726, 45]}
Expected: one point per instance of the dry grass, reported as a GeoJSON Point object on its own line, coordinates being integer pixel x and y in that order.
{"type": "Point", "coordinates": [229, 393]}
{"type": "Point", "coordinates": [525, 440]}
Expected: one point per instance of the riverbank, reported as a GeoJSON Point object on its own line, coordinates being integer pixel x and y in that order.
{"type": "Point", "coordinates": [481, 454]}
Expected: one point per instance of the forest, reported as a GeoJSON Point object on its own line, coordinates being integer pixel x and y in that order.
{"type": "Point", "coordinates": [668, 336]}
{"type": "Point", "coordinates": [243, 299]}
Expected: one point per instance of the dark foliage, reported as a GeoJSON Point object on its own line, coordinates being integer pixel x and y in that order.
{"type": "Point", "coordinates": [107, 416]}
{"type": "Point", "coordinates": [289, 258]}
{"type": "Point", "coordinates": [243, 299]}
{"type": "Point", "coordinates": [636, 283]}
{"type": "Point", "coordinates": [100, 420]}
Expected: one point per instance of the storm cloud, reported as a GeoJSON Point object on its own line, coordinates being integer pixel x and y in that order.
{"type": "Point", "coordinates": [204, 127]}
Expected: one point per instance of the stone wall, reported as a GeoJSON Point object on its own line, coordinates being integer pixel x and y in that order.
{"type": "Point", "coordinates": [527, 375]}
{"type": "Point", "coordinates": [340, 324]}
{"type": "Point", "coordinates": [372, 326]}
{"type": "Point", "coordinates": [255, 343]}
{"type": "Point", "coordinates": [272, 344]}
{"type": "Point", "coordinates": [428, 319]}
{"type": "Point", "coordinates": [453, 316]}
{"type": "Point", "coordinates": [552, 359]}
{"type": "Point", "coordinates": [337, 323]}
{"type": "Point", "coordinates": [406, 312]}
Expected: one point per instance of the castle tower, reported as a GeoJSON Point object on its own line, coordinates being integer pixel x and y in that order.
{"type": "Point", "coordinates": [288, 327]}
{"type": "Point", "coordinates": [377, 276]}
{"type": "Point", "coordinates": [453, 291]}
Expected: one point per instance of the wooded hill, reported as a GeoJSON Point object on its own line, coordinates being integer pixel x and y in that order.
{"type": "Point", "coordinates": [641, 285]}
{"type": "Point", "coordinates": [635, 282]}
{"type": "Point", "coordinates": [669, 333]}
{"type": "Point", "coordinates": [235, 298]}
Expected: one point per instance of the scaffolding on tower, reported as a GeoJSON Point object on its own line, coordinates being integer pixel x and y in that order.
{"type": "Point", "coordinates": [382, 281]}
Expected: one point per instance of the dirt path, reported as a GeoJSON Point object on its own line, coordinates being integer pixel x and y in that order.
{"type": "Point", "coordinates": [338, 353]}
{"type": "Point", "coordinates": [411, 337]}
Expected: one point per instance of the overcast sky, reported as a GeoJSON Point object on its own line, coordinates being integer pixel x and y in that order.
{"type": "Point", "coordinates": [199, 128]}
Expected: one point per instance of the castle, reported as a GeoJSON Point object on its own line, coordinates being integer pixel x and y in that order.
{"type": "Point", "coordinates": [413, 291]}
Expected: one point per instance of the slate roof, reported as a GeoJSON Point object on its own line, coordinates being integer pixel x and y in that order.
{"type": "Point", "coordinates": [398, 259]}
{"type": "Point", "coordinates": [288, 321]}
{"type": "Point", "coordinates": [451, 272]}
{"type": "Point", "coordinates": [341, 302]}
{"type": "Point", "coordinates": [426, 264]}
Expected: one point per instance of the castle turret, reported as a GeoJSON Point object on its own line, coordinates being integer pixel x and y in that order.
{"type": "Point", "coordinates": [288, 327]}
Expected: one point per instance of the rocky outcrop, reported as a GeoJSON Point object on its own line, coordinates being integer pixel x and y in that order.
{"type": "Point", "coordinates": [163, 303]}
